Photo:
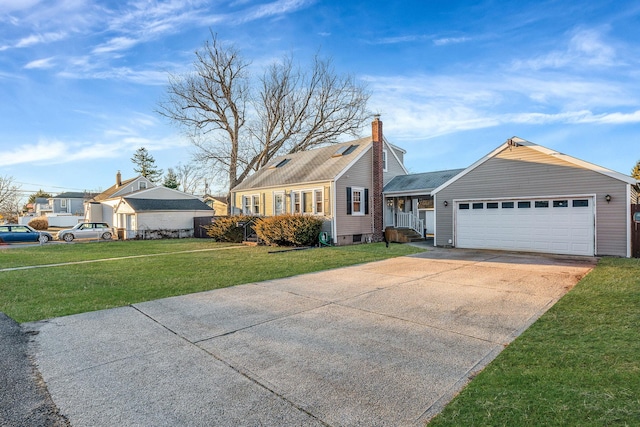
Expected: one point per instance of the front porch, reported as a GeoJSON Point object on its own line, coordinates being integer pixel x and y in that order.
{"type": "Point", "coordinates": [408, 218]}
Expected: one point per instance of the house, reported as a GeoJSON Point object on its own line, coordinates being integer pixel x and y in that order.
{"type": "Point", "coordinates": [525, 197]}
{"type": "Point", "coordinates": [100, 208]}
{"type": "Point", "coordinates": [141, 210]}
{"type": "Point", "coordinates": [71, 203]}
{"type": "Point", "coordinates": [218, 204]}
{"type": "Point", "coordinates": [341, 183]}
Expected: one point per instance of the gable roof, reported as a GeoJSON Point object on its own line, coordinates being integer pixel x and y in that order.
{"type": "Point", "coordinates": [416, 182]}
{"type": "Point", "coordinates": [142, 205]}
{"type": "Point", "coordinates": [517, 141]}
{"type": "Point", "coordinates": [106, 194]}
{"type": "Point", "coordinates": [320, 164]}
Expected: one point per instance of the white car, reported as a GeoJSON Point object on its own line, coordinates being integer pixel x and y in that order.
{"type": "Point", "coordinates": [87, 230]}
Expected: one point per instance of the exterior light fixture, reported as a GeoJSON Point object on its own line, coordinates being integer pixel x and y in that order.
{"type": "Point", "coordinates": [446, 203]}
{"type": "Point", "coordinates": [607, 198]}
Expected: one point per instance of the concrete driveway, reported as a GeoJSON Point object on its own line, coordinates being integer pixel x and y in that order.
{"type": "Point", "coordinates": [381, 344]}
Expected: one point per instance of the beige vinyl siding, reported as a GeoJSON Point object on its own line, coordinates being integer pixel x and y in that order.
{"type": "Point", "coordinates": [267, 199]}
{"type": "Point", "coordinates": [524, 172]}
{"type": "Point", "coordinates": [358, 175]}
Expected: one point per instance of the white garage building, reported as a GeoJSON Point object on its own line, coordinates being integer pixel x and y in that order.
{"type": "Point", "coordinates": [525, 197]}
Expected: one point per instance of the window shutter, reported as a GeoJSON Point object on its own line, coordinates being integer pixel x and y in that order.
{"type": "Point", "coordinates": [366, 201]}
{"type": "Point", "coordinates": [348, 200]}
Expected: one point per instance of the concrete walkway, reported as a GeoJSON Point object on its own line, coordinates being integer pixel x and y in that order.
{"type": "Point", "coordinates": [380, 344]}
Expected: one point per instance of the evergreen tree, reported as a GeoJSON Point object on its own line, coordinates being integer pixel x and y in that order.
{"type": "Point", "coordinates": [146, 165]}
{"type": "Point", "coordinates": [171, 179]}
{"type": "Point", "coordinates": [38, 195]}
{"type": "Point", "coordinates": [635, 172]}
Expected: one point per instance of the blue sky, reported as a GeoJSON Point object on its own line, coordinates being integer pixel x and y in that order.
{"type": "Point", "coordinates": [80, 80]}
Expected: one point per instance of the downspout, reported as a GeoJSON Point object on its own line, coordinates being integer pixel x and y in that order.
{"type": "Point", "coordinates": [435, 220]}
{"type": "Point", "coordinates": [333, 212]}
{"type": "Point", "coordinates": [628, 208]}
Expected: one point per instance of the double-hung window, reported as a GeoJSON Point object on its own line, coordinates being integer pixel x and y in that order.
{"type": "Point", "coordinates": [296, 206]}
{"type": "Point", "coordinates": [318, 197]}
{"type": "Point", "coordinates": [357, 203]}
{"type": "Point", "coordinates": [255, 204]}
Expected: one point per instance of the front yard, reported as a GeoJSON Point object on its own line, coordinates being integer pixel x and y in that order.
{"type": "Point", "coordinates": [136, 271]}
{"type": "Point", "coordinates": [578, 365]}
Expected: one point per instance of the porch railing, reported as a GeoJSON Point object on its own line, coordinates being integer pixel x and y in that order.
{"type": "Point", "coordinates": [409, 220]}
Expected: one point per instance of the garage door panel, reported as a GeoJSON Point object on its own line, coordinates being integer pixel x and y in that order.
{"type": "Point", "coordinates": [562, 227]}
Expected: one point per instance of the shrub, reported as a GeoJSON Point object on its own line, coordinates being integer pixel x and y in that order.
{"type": "Point", "coordinates": [289, 230]}
{"type": "Point", "coordinates": [40, 223]}
{"type": "Point", "coordinates": [226, 229]}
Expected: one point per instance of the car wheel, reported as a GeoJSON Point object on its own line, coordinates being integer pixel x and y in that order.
{"type": "Point", "coordinates": [106, 236]}
{"type": "Point", "coordinates": [43, 238]}
{"type": "Point", "coordinates": [68, 237]}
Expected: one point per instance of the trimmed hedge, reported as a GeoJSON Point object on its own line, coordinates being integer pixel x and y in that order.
{"type": "Point", "coordinates": [289, 230]}
{"type": "Point", "coordinates": [40, 223]}
{"type": "Point", "coordinates": [226, 229]}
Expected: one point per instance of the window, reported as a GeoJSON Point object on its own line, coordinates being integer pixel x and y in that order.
{"type": "Point", "coordinates": [542, 203]}
{"type": "Point", "coordinates": [63, 203]}
{"type": "Point", "coordinates": [295, 202]}
{"type": "Point", "coordinates": [246, 205]}
{"type": "Point", "coordinates": [357, 201]}
{"type": "Point", "coordinates": [384, 160]}
{"type": "Point", "coordinates": [278, 203]}
{"type": "Point", "coordinates": [463, 206]}
{"type": "Point", "coordinates": [580, 203]}
{"type": "Point", "coordinates": [307, 202]}
{"type": "Point", "coordinates": [255, 204]}
{"type": "Point", "coordinates": [319, 201]}
{"type": "Point", "coordinates": [142, 185]}
{"type": "Point", "coordinates": [560, 203]}
{"type": "Point", "coordinates": [425, 202]}
{"type": "Point", "coordinates": [478, 206]}
{"type": "Point", "coordinates": [507, 205]}
{"type": "Point", "coordinates": [524, 205]}
{"type": "Point", "coordinates": [343, 151]}
{"type": "Point", "coordinates": [280, 164]}
{"type": "Point", "coordinates": [492, 205]}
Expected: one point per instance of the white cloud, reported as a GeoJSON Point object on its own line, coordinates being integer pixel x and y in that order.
{"type": "Point", "coordinates": [275, 8]}
{"type": "Point", "coordinates": [34, 39]}
{"type": "Point", "coordinates": [450, 40]}
{"type": "Point", "coordinates": [584, 48]}
{"type": "Point", "coordinates": [40, 64]}
{"type": "Point", "coordinates": [116, 44]}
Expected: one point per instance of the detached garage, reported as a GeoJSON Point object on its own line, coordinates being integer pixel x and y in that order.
{"type": "Point", "coordinates": [525, 197]}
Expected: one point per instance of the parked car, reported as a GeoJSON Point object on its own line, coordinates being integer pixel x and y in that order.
{"type": "Point", "coordinates": [10, 233]}
{"type": "Point", "coordinates": [87, 230]}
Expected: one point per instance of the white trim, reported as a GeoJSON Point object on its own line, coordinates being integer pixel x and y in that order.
{"type": "Point", "coordinates": [334, 202]}
{"type": "Point", "coordinates": [628, 221]}
{"type": "Point", "coordinates": [385, 160]}
{"type": "Point", "coordinates": [394, 154]}
{"type": "Point", "coordinates": [361, 211]}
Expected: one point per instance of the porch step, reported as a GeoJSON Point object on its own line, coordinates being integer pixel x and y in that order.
{"type": "Point", "coordinates": [402, 235]}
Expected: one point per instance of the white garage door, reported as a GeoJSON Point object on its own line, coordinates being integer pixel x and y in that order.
{"type": "Point", "coordinates": [560, 225]}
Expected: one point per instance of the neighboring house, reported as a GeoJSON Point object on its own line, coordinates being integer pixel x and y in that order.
{"type": "Point", "coordinates": [41, 207]}
{"type": "Point", "coordinates": [139, 209]}
{"type": "Point", "coordinates": [100, 208]}
{"type": "Point", "coordinates": [71, 203]}
{"type": "Point", "coordinates": [526, 197]}
{"type": "Point", "coordinates": [218, 204]}
{"type": "Point", "coordinates": [341, 183]}
{"type": "Point", "coordinates": [158, 212]}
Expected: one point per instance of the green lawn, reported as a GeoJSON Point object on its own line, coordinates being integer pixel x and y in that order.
{"type": "Point", "coordinates": [41, 293]}
{"type": "Point", "coordinates": [578, 365]}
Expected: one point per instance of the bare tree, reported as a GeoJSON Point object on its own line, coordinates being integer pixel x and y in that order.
{"type": "Point", "coordinates": [239, 123]}
{"type": "Point", "coordinates": [191, 177]}
{"type": "Point", "coordinates": [9, 198]}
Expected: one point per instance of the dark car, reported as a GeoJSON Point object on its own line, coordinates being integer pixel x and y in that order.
{"type": "Point", "coordinates": [12, 233]}
{"type": "Point", "coordinates": [87, 230]}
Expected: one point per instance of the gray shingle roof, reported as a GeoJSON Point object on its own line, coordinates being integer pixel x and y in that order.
{"type": "Point", "coordinates": [74, 195]}
{"type": "Point", "coordinates": [420, 181]}
{"type": "Point", "coordinates": [140, 205]}
{"type": "Point", "coordinates": [306, 166]}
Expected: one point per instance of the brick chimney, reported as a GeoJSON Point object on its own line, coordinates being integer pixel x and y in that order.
{"type": "Point", "coordinates": [118, 180]}
{"type": "Point", "coordinates": [378, 179]}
